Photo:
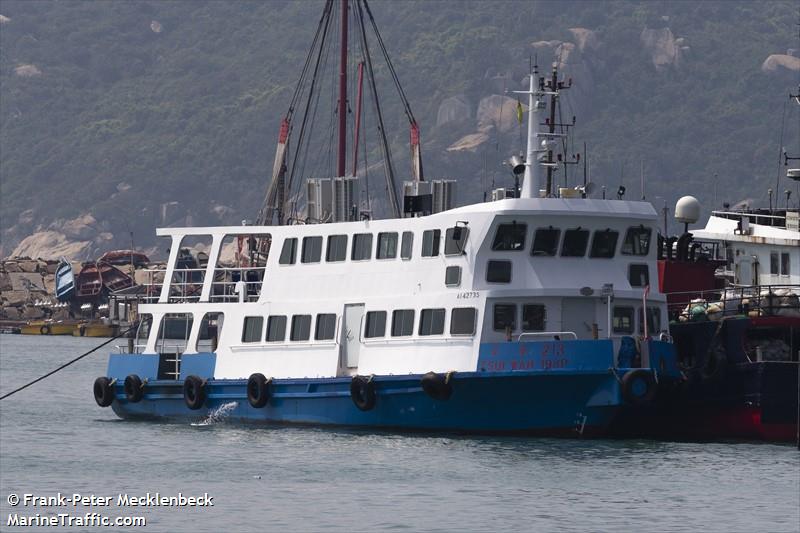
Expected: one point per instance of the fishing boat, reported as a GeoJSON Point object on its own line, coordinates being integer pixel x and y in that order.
{"type": "Point", "coordinates": [46, 327]}
{"type": "Point", "coordinates": [98, 278]}
{"type": "Point", "coordinates": [95, 328]}
{"type": "Point", "coordinates": [520, 315]}
{"type": "Point", "coordinates": [65, 280]}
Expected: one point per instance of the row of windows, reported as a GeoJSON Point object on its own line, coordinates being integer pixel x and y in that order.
{"type": "Point", "coordinates": [622, 319]}
{"type": "Point", "coordinates": [499, 271]}
{"type": "Point", "coordinates": [534, 318]}
{"type": "Point", "coordinates": [362, 246]}
{"type": "Point", "coordinates": [511, 237]}
{"type": "Point", "coordinates": [431, 322]}
{"type": "Point", "coordinates": [779, 266]}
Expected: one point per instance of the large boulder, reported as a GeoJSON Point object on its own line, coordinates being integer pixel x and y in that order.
{"type": "Point", "coordinates": [497, 111]}
{"type": "Point", "coordinates": [585, 39]}
{"type": "Point", "coordinates": [777, 63]}
{"type": "Point", "coordinates": [51, 243]}
{"type": "Point", "coordinates": [662, 47]}
{"type": "Point", "coordinates": [453, 109]}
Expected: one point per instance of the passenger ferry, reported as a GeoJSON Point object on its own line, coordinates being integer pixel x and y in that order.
{"type": "Point", "coordinates": [524, 315]}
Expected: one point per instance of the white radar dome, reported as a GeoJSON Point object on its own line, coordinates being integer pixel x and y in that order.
{"type": "Point", "coordinates": [687, 210]}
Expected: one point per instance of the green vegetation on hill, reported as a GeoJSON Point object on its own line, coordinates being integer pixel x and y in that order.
{"type": "Point", "coordinates": [126, 106]}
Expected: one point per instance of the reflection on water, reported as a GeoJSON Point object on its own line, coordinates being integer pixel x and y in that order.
{"type": "Point", "coordinates": [54, 438]}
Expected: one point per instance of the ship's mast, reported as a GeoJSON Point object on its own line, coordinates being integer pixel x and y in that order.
{"type": "Point", "coordinates": [532, 179]}
{"type": "Point", "coordinates": [342, 159]}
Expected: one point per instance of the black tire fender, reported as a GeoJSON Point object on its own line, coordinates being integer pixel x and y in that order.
{"type": "Point", "coordinates": [44, 330]}
{"type": "Point", "coordinates": [259, 390]}
{"type": "Point", "coordinates": [104, 391]}
{"type": "Point", "coordinates": [437, 386]}
{"type": "Point", "coordinates": [194, 392]}
{"type": "Point", "coordinates": [362, 392]}
{"type": "Point", "coordinates": [639, 386]}
{"type": "Point", "coordinates": [134, 388]}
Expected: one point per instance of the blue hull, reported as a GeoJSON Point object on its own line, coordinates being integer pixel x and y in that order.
{"type": "Point", "coordinates": [531, 403]}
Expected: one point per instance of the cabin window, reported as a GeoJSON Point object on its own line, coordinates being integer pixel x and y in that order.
{"type": "Point", "coordinates": [455, 239]}
{"type": "Point", "coordinates": [575, 241]}
{"type": "Point", "coordinates": [785, 263]}
{"type": "Point", "coordinates": [653, 320]}
{"type": "Point", "coordinates": [301, 328]}
{"type": "Point", "coordinates": [387, 246]}
{"type": "Point", "coordinates": [773, 263]}
{"type": "Point", "coordinates": [326, 327]}
{"type": "Point", "coordinates": [498, 271]}
{"type": "Point", "coordinates": [431, 322]}
{"type": "Point", "coordinates": [143, 332]}
{"type": "Point", "coordinates": [604, 243]}
{"type": "Point", "coordinates": [510, 237]}
{"type": "Point", "coordinates": [637, 241]}
{"type": "Point", "coordinates": [402, 322]}
{"type": "Point", "coordinates": [622, 320]}
{"type": "Point", "coordinates": [533, 317]}
{"type": "Point", "coordinates": [462, 321]}
{"type": "Point", "coordinates": [639, 275]}
{"type": "Point", "coordinates": [253, 326]}
{"type": "Point", "coordinates": [288, 252]}
{"type": "Point", "coordinates": [505, 317]}
{"type": "Point", "coordinates": [406, 245]}
{"type": "Point", "coordinates": [337, 248]}
{"type": "Point", "coordinates": [545, 242]}
{"type": "Point", "coordinates": [208, 336]}
{"type": "Point", "coordinates": [375, 325]}
{"type": "Point", "coordinates": [362, 247]}
{"type": "Point", "coordinates": [312, 249]}
{"type": "Point", "coordinates": [430, 242]}
{"type": "Point", "coordinates": [276, 328]}
{"type": "Point", "coordinates": [452, 276]}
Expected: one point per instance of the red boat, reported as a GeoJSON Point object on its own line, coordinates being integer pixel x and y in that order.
{"type": "Point", "coordinates": [97, 279]}
{"type": "Point", "coordinates": [125, 257]}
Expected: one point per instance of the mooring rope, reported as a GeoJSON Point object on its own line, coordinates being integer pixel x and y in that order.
{"type": "Point", "coordinates": [65, 365]}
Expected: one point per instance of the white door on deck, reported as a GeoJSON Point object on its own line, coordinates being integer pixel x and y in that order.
{"type": "Point", "coordinates": [351, 333]}
{"type": "Point", "coordinates": [578, 314]}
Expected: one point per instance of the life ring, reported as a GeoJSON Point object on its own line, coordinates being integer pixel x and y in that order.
{"type": "Point", "coordinates": [638, 387]}
{"type": "Point", "coordinates": [716, 362]}
{"type": "Point", "coordinates": [258, 390]}
{"type": "Point", "coordinates": [134, 388]}
{"type": "Point", "coordinates": [44, 330]}
{"type": "Point", "coordinates": [194, 392]}
{"type": "Point", "coordinates": [103, 391]}
{"type": "Point", "coordinates": [437, 386]}
{"type": "Point", "coordinates": [362, 392]}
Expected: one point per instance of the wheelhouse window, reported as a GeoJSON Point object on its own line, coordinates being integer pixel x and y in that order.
{"type": "Point", "coordinates": [362, 247]}
{"type": "Point", "coordinates": [545, 242]}
{"type": "Point", "coordinates": [325, 328]}
{"type": "Point", "coordinates": [533, 317]}
{"type": "Point", "coordinates": [498, 271]}
{"type": "Point", "coordinates": [575, 241]}
{"type": "Point", "coordinates": [430, 242]}
{"type": "Point", "coordinates": [288, 252]}
{"type": "Point", "coordinates": [406, 245]}
{"type": "Point", "coordinates": [455, 240]}
{"type": "Point", "coordinates": [312, 249]}
{"type": "Point", "coordinates": [462, 321]}
{"type": "Point", "coordinates": [208, 336]}
{"type": "Point", "coordinates": [253, 326]}
{"type": "Point", "coordinates": [774, 263]}
{"type": "Point", "coordinates": [653, 320]}
{"type": "Point", "coordinates": [604, 243]}
{"type": "Point", "coordinates": [510, 237]}
{"type": "Point", "coordinates": [622, 320]}
{"type": "Point", "coordinates": [402, 322]}
{"type": "Point", "coordinates": [301, 328]}
{"type": "Point", "coordinates": [637, 241]}
{"type": "Point", "coordinates": [639, 275]}
{"type": "Point", "coordinates": [505, 317]}
{"type": "Point", "coordinates": [276, 328]}
{"type": "Point", "coordinates": [452, 276]}
{"type": "Point", "coordinates": [337, 248]}
{"type": "Point", "coordinates": [785, 264]}
{"type": "Point", "coordinates": [387, 246]}
{"type": "Point", "coordinates": [431, 322]}
{"type": "Point", "coordinates": [375, 325]}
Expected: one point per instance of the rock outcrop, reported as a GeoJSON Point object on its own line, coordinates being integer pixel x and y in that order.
{"type": "Point", "coordinates": [664, 48]}
{"type": "Point", "coordinates": [781, 62]}
{"type": "Point", "coordinates": [453, 109]}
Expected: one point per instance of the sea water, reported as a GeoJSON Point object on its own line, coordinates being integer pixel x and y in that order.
{"type": "Point", "coordinates": [55, 441]}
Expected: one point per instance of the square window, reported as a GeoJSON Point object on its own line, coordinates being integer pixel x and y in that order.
{"type": "Point", "coordinates": [639, 275]}
{"type": "Point", "coordinates": [252, 328]}
{"type": "Point", "coordinates": [545, 242]}
{"type": "Point", "coordinates": [312, 249]}
{"type": "Point", "coordinates": [387, 246]}
{"type": "Point", "coordinates": [431, 322]}
{"type": "Point", "coordinates": [362, 247]}
{"type": "Point", "coordinates": [337, 248]}
{"type": "Point", "coordinates": [622, 320]}
{"type": "Point", "coordinates": [402, 323]}
{"type": "Point", "coordinates": [510, 237]}
{"type": "Point", "coordinates": [637, 241]}
{"type": "Point", "coordinates": [326, 327]}
{"type": "Point", "coordinates": [533, 317]}
{"type": "Point", "coordinates": [452, 276]}
{"type": "Point", "coordinates": [604, 243]}
{"type": "Point", "coordinates": [505, 317]}
{"type": "Point", "coordinates": [462, 321]}
{"type": "Point", "coordinates": [498, 271]}
{"type": "Point", "coordinates": [276, 328]}
{"type": "Point", "coordinates": [575, 241]}
{"type": "Point", "coordinates": [455, 240]}
{"type": "Point", "coordinates": [376, 324]}
{"type": "Point", "coordinates": [301, 328]}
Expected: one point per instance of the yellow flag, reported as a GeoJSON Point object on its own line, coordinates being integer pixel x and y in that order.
{"type": "Point", "coordinates": [519, 112]}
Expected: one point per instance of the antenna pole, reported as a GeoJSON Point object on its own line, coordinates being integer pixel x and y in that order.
{"type": "Point", "coordinates": [341, 162]}
{"type": "Point", "coordinates": [358, 116]}
{"type": "Point", "coordinates": [530, 184]}
{"type": "Point", "coordinates": [552, 129]}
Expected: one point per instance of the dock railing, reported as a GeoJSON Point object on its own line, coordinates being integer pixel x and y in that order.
{"type": "Point", "coordinates": [187, 284]}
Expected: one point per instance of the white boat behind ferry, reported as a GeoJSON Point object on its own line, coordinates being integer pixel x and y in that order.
{"type": "Point", "coordinates": [518, 315]}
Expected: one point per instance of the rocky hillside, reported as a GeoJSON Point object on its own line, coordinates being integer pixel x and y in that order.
{"type": "Point", "coordinates": [121, 117]}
